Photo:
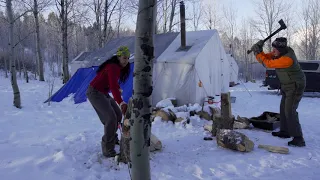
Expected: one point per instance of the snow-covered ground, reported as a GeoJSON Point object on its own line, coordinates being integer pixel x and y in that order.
{"type": "Point", "coordinates": [62, 141]}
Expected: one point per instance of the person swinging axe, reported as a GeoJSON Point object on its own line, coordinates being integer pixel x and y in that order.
{"type": "Point", "coordinates": [292, 81]}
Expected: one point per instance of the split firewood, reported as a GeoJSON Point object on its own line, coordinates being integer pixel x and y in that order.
{"type": "Point", "coordinates": [239, 125]}
{"type": "Point", "coordinates": [204, 115]}
{"type": "Point", "coordinates": [208, 127]}
{"type": "Point", "coordinates": [274, 149]}
{"type": "Point", "coordinates": [166, 116]}
{"type": "Point", "coordinates": [243, 120]}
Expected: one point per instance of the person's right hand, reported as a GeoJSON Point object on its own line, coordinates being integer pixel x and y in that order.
{"type": "Point", "coordinates": [124, 108]}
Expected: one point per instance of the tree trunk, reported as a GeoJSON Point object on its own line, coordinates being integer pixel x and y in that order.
{"type": "Point", "coordinates": [105, 21]}
{"type": "Point", "coordinates": [173, 9]}
{"type": "Point", "coordinates": [142, 84]}
{"type": "Point", "coordinates": [5, 67]}
{"type": "Point", "coordinates": [121, 10]}
{"type": "Point", "coordinates": [246, 72]}
{"type": "Point", "coordinates": [18, 58]}
{"type": "Point", "coordinates": [25, 71]}
{"type": "Point", "coordinates": [64, 31]}
{"type": "Point", "coordinates": [97, 9]}
{"type": "Point", "coordinates": [39, 56]}
{"type": "Point", "coordinates": [165, 15]}
{"type": "Point", "coordinates": [225, 120]}
{"type": "Point", "coordinates": [15, 88]}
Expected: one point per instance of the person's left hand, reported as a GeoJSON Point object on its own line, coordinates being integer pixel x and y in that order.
{"type": "Point", "coordinates": [257, 47]}
{"type": "Point", "coordinates": [260, 43]}
{"type": "Point", "coordinates": [124, 108]}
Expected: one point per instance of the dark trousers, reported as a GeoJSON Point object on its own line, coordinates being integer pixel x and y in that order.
{"type": "Point", "coordinates": [289, 117]}
{"type": "Point", "coordinates": [109, 114]}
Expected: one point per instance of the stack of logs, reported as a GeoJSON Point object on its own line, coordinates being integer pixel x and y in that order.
{"type": "Point", "coordinates": [223, 125]}
{"type": "Point", "coordinates": [222, 128]}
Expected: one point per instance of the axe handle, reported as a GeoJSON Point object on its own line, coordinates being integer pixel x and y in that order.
{"type": "Point", "coordinates": [266, 39]}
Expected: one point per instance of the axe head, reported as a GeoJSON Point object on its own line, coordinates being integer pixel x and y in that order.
{"type": "Point", "coordinates": [282, 24]}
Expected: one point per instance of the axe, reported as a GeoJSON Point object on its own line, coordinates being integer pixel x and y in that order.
{"type": "Point", "coordinates": [282, 26]}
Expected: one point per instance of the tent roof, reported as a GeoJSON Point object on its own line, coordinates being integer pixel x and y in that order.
{"type": "Point", "coordinates": [196, 39]}
{"type": "Point", "coordinates": [161, 42]}
{"type": "Point", "coordinates": [82, 56]}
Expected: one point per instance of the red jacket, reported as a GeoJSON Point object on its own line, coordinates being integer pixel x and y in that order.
{"type": "Point", "coordinates": [107, 79]}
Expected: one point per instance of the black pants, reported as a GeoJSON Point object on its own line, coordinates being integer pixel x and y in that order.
{"type": "Point", "coordinates": [289, 117]}
{"type": "Point", "coordinates": [109, 114]}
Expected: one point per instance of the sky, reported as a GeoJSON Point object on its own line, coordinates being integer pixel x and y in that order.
{"type": "Point", "coordinates": [244, 9]}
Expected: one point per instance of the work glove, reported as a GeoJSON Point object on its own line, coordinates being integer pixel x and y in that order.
{"type": "Point", "coordinates": [123, 107]}
{"type": "Point", "coordinates": [260, 43]}
{"type": "Point", "coordinates": [257, 47]}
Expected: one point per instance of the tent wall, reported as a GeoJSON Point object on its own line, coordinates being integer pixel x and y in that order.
{"type": "Point", "coordinates": [173, 80]}
{"type": "Point", "coordinates": [213, 67]}
{"type": "Point", "coordinates": [225, 72]}
{"type": "Point", "coordinates": [234, 70]}
{"type": "Point", "coordinates": [177, 73]}
{"type": "Point", "coordinates": [208, 67]}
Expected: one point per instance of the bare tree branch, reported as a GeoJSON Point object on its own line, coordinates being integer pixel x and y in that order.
{"type": "Point", "coordinates": [21, 15]}
{"type": "Point", "coordinates": [20, 40]}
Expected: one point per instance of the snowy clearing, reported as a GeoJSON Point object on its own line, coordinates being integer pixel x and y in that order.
{"type": "Point", "coordinates": [62, 141]}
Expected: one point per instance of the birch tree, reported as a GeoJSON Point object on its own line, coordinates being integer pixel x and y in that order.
{"type": "Point", "coordinates": [173, 5]}
{"type": "Point", "coordinates": [314, 29]}
{"type": "Point", "coordinates": [38, 46]}
{"type": "Point", "coordinates": [246, 41]}
{"type": "Point", "coordinates": [121, 10]}
{"type": "Point", "coordinates": [37, 6]}
{"type": "Point", "coordinates": [142, 84]}
{"type": "Point", "coordinates": [212, 17]}
{"type": "Point", "coordinates": [4, 42]}
{"type": "Point", "coordinates": [15, 88]}
{"type": "Point", "coordinates": [269, 12]}
{"type": "Point", "coordinates": [304, 46]}
{"type": "Point", "coordinates": [64, 8]}
{"type": "Point", "coordinates": [96, 6]}
{"type": "Point", "coordinates": [109, 9]}
{"type": "Point", "coordinates": [230, 17]}
{"type": "Point", "coordinates": [310, 30]}
{"type": "Point", "coordinates": [196, 13]}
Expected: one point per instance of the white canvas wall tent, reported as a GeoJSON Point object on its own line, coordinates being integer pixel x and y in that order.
{"type": "Point", "coordinates": [177, 73]}
{"type": "Point", "coordinates": [234, 70]}
{"type": "Point", "coordinates": [79, 62]}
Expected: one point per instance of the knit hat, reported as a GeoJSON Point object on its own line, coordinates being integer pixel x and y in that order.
{"type": "Point", "coordinates": [280, 43]}
{"type": "Point", "coordinates": [123, 51]}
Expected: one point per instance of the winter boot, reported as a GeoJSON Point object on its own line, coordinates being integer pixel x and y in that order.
{"type": "Point", "coordinates": [297, 141]}
{"type": "Point", "coordinates": [106, 151]}
{"type": "Point", "coordinates": [281, 134]}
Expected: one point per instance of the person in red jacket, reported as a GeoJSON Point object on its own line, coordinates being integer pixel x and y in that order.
{"type": "Point", "coordinates": [109, 73]}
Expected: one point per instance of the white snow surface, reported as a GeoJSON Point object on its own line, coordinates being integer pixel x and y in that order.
{"type": "Point", "coordinates": [62, 141]}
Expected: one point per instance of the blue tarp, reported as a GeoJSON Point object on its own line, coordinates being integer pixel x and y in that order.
{"type": "Point", "coordinates": [80, 81]}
